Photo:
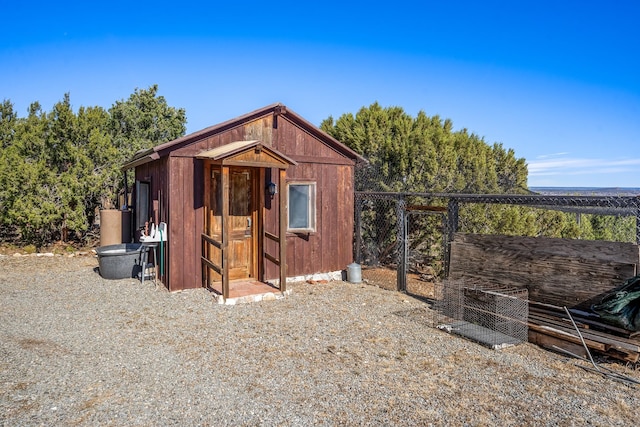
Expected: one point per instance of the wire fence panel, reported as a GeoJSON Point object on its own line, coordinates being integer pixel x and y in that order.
{"type": "Point", "coordinates": [377, 246]}
{"type": "Point", "coordinates": [403, 239]}
{"type": "Point", "coordinates": [425, 247]}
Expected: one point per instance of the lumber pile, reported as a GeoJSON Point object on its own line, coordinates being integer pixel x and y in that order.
{"type": "Point", "coordinates": [550, 327]}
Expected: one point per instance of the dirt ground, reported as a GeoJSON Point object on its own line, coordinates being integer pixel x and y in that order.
{"type": "Point", "coordinates": [387, 278]}
{"type": "Point", "coordinates": [81, 350]}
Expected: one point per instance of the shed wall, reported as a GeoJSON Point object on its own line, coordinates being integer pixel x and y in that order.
{"type": "Point", "coordinates": [328, 249]}
{"type": "Point", "coordinates": [156, 173]}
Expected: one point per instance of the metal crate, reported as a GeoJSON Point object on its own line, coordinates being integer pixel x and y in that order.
{"type": "Point", "coordinates": [495, 316]}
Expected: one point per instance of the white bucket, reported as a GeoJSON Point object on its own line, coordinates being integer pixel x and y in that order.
{"type": "Point", "coordinates": [354, 273]}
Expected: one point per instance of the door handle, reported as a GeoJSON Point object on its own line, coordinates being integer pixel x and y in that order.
{"type": "Point", "coordinates": [248, 222]}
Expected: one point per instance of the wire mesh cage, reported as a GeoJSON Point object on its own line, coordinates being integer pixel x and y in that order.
{"type": "Point", "coordinates": [492, 315]}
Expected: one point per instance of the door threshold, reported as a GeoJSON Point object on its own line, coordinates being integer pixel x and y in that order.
{"type": "Point", "coordinates": [247, 291]}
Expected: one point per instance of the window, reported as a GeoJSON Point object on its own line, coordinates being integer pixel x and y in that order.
{"type": "Point", "coordinates": [302, 206]}
{"type": "Point", "coordinates": [142, 203]}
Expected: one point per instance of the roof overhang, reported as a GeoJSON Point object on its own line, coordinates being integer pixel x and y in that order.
{"type": "Point", "coordinates": [140, 158]}
{"type": "Point", "coordinates": [247, 153]}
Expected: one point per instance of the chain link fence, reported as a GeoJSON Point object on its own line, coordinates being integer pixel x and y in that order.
{"type": "Point", "coordinates": [402, 239]}
{"type": "Point", "coordinates": [403, 243]}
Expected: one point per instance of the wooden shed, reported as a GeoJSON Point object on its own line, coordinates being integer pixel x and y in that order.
{"type": "Point", "coordinates": [260, 198]}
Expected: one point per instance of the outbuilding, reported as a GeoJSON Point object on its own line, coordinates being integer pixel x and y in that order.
{"type": "Point", "coordinates": [260, 199]}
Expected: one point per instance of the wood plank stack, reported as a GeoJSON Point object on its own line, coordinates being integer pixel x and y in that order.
{"type": "Point", "coordinates": [557, 273]}
{"type": "Point", "coordinates": [551, 327]}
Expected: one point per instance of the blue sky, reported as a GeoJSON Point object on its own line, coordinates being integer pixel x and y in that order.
{"type": "Point", "coordinates": [558, 82]}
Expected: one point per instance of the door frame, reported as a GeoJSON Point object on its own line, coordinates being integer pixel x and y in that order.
{"type": "Point", "coordinates": [244, 154]}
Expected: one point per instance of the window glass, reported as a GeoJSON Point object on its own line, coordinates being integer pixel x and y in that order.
{"type": "Point", "coordinates": [142, 203]}
{"type": "Point", "coordinates": [301, 206]}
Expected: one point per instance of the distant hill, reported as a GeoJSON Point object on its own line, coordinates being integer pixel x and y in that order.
{"type": "Point", "coordinates": [587, 191]}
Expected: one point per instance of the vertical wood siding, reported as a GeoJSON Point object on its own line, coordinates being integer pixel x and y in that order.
{"type": "Point", "coordinates": [330, 248]}
{"type": "Point", "coordinates": [181, 177]}
{"type": "Point", "coordinates": [186, 222]}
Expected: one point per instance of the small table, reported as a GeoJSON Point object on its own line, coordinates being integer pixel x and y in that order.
{"type": "Point", "coordinates": [144, 261]}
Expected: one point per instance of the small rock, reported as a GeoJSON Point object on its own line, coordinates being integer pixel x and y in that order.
{"type": "Point", "coordinates": [269, 297]}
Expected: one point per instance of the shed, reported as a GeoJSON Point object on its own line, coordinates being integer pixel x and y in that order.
{"type": "Point", "coordinates": [264, 197]}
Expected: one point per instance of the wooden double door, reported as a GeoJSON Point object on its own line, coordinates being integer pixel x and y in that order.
{"type": "Point", "coordinates": [243, 220]}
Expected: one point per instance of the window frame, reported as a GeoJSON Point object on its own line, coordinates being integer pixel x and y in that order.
{"type": "Point", "coordinates": [311, 204]}
{"type": "Point", "coordinates": [143, 203]}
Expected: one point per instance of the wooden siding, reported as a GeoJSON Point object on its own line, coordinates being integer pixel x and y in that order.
{"type": "Point", "coordinates": [186, 222]}
{"type": "Point", "coordinates": [271, 225]}
{"type": "Point", "coordinates": [562, 272]}
{"type": "Point", "coordinates": [260, 129]}
{"type": "Point", "coordinates": [328, 249]}
{"type": "Point", "coordinates": [300, 145]}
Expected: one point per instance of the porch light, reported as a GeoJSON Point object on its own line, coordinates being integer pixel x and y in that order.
{"type": "Point", "coordinates": [272, 189]}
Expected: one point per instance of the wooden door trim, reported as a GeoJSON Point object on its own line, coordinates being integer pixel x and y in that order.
{"type": "Point", "coordinates": [225, 231]}
{"type": "Point", "coordinates": [256, 269]}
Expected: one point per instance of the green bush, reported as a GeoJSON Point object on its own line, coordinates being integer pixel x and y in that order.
{"type": "Point", "coordinates": [57, 167]}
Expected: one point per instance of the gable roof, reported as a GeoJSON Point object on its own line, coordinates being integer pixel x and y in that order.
{"type": "Point", "coordinates": [278, 109]}
{"type": "Point", "coordinates": [252, 153]}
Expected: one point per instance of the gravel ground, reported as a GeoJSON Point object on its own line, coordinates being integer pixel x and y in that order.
{"type": "Point", "coordinates": [76, 349]}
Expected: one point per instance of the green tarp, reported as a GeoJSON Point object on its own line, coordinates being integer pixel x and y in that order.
{"type": "Point", "coordinates": [621, 307]}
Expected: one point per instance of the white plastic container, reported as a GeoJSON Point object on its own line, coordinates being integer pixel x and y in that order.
{"type": "Point", "coordinates": [354, 273]}
{"type": "Point", "coordinates": [156, 234]}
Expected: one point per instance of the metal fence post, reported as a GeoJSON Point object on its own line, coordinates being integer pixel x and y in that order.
{"type": "Point", "coordinates": [453, 210]}
{"type": "Point", "coordinates": [637, 220]}
{"type": "Point", "coordinates": [358, 226]}
{"type": "Point", "coordinates": [401, 213]}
